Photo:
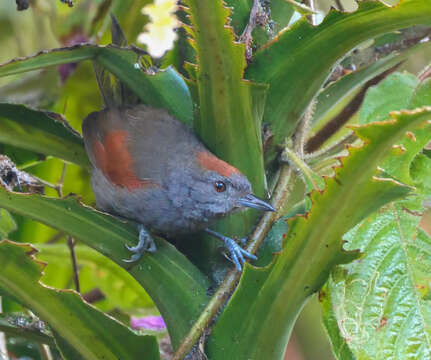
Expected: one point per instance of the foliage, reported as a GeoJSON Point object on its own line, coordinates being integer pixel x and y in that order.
{"type": "Point", "coordinates": [255, 92]}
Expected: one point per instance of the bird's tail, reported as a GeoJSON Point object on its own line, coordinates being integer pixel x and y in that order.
{"type": "Point", "coordinates": [114, 92]}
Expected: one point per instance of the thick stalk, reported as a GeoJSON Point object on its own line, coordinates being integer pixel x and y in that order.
{"type": "Point", "coordinates": [258, 320]}
{"type": "Point", "coordinates": [280, 195]}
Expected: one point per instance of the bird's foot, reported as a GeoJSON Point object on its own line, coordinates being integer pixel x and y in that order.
{"type": "Point", "coordinates": [145, 244]}
{"type": "Point", "coordinates": [236, 253]}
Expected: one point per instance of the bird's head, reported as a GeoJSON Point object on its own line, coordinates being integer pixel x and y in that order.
{"type": "Point", "coordinates": [218, 188]}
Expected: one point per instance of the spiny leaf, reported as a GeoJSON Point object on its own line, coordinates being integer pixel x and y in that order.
{"type": "Point", "coordinates": [379, 307]}
{"type": "Point", "coordinates": [91, 334]}
{"type": "Point", "coordinates": [227, 121]}
{"type": "Point", "coordinates": [312, 247]}
{"type": "Point", "coordinates": [48, 58]}
{"type": "Point", "coordinates": [165, 89]}
{"type": "Point", "coordinates": [230, 110]}
{"type": "Point", "coordinates": [399, 91]}
{"type": "Point", "coordinates": [335, 92]}
{"type": "Point", "coordinates": [183, 293]}
{"type": "Point", "coordinates": [42, 132]}
{"type": "Point", "coordinates": [120, 288]}
{"type": "Point", "coordinates": [288, 63]}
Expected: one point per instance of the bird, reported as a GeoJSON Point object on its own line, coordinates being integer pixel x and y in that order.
{"type": "Point", "coordinates": [149, 167]}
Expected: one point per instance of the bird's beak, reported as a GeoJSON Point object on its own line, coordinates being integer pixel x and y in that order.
{"type": "Point", "coordinates": [255, 203]}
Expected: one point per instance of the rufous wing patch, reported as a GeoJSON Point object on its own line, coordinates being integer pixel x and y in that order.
{"type": "Point", "coordinates": [114, 160]}
{"type": "Point", "coordinates": [210, 162]}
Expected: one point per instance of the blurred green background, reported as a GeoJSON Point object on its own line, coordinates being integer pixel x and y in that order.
{"type": "Point", "coordinates": [48, 24]}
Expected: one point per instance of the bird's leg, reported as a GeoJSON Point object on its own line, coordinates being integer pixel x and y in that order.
{"type": "Point", "coordinates": [145, 244]}
{"type": "Point", "coordinates": [237, 254]}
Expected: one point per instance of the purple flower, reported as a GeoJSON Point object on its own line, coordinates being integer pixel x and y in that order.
{"type": "Point", "coordinates": [154, 323]}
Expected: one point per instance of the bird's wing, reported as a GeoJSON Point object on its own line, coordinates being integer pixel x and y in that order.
{"type": "Point", "coordinates": [107, 137]}
{"type": "Point", "coordinates": [159, 143]}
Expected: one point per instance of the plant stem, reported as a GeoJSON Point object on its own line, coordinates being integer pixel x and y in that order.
{"type": "Point", "coordinates": [45, 352]}
{"type": "Point", "coordinates": [71, 244]}
{"type": "Point", "coordinates": [246, 37]}
{"type": "Point", "coordinates": [226, 288]}
{"type": "Point", "coordinates": [315, 142]}
{"type": "Point", "coordinates": [70, 241]}
{"type": "Point", "coordinates": [302, 130]}
{"type": "Point", "coordinates": [290, 156]}
{"type": "Point", "coordinates": [330, 151]}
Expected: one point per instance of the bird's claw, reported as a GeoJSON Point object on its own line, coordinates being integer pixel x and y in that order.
{"type": "Point", "coordinates": [145, 244]}
{"type": "Point", "coordinates": [133, 258]}
{"type": "Point", "coordinates": [237, 254]}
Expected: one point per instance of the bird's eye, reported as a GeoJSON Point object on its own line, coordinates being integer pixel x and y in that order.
{"type": "Point", "coordinates": [220, 186]}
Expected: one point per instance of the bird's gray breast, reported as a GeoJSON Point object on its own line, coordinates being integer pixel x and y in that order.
{"type": "Point", "coordinates": [157, 208]}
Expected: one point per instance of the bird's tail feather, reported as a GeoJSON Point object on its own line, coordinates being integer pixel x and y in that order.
{"type": "Point", "coordinates": [114, 92]}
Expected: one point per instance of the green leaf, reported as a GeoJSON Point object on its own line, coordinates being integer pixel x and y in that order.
{"type": "Point", "coordinates": [230, 110]}
{"type": "Point", "coordinates": [381, 303]}
{"type": "Point", "coordinates": [91, 334]}
{"type": "Point", "coordinates": [281, 13]}
{"type": "Point", "coordinates": [339, 346]}
{"type": "Point", "coordinates": [42, 132]}
{"type": "Point", "coordinates": [7, 224]}
{"type": "Point", "coordinates": [422, 95]}
{"type": "Point", "coordinates": [183, 294]}
{"type": "Point", "coordinates": [38, 89]}
{"type": "Point", "coordinates": [420, 171]}
{"type": "Point", "coordinates": [393, 93]}
{"type": "Point", "coordinates": [288, 63]}
{"type": "Point", "coordinates": [120, 288]}
{"type": "Point", "coordinates": [312, 247]}
{"type": "Point", "coordinates": [240, 14]}
{"type": "Point", "coordinates": [227, 122]}
{"type": "Point", "coordinates": [48, 58]}
{"type": "Point", "coordinates": [399, 91]}
{"type": "Point", "coordinates": [339, 90]}
{"type": "Point", "coordinates": [409, 147]}
{"type": "Point", "coordinates": [165, 89]}
{"type": "Point", "coordinates": [272, 243]}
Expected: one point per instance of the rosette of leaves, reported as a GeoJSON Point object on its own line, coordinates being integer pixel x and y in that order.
{"type": "Point", "coordinates": [348, 211]}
